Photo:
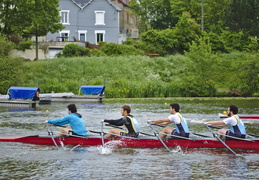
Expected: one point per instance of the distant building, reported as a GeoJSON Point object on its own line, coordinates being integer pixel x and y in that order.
{"type": "Point", "coordinates": [95, 20]}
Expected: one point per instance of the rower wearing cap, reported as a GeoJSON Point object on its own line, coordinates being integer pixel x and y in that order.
{"type": "Point", "coordinates": [181, 127]}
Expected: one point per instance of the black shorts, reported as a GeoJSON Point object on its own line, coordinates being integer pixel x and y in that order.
{"type": "Point", "coordinates": [229, 133]}
{"type": "Point", "coordinates": [134, 135]}
{"type": "Point", "coordinates": [174, 132]}
{"type": "Point", "coordinates": [73, 133]}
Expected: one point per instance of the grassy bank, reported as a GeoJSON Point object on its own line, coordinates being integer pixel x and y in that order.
{"type": "Point", "coordinates": [137, 76]}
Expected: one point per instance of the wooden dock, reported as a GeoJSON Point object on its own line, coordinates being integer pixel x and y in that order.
{"type": "Point", "coordinates": [17, 103]}
{"type": "Point", "coordinates": [70, 97]}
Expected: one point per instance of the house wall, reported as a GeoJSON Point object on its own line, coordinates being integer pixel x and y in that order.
{"type": "Point", "coordinates": [84, 20]}
{"type": "Point", "coordinates": [30, 54]}
{"type": "Point", "coordinates": [128, 21]}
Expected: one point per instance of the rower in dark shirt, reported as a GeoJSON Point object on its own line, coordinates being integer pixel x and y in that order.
{"type": "Point", "coordinates": [131, 127]}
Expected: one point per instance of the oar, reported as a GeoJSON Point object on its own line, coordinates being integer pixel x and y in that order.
{"type": "Point", "coordinates": [158, 137]}
{"type": "Point", "coordinates": [102, 136]}
{"type": "Point", "coordinates": [122, 128]}
{"type": "Point", "coordinates": [215, 135]}
{"type": "Point", "coordinates": [159, 125]}
{"type": "Point", "coordinates": [246, 133]}
{"type": "Point", "coordinates": [51, 135]}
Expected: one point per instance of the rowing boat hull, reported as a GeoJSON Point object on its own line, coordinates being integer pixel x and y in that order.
{"type": "Point", "coordinates": [146, 142]}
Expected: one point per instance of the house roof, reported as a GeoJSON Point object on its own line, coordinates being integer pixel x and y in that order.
{"type": "Point", "coordinates": [83, 3]}
{"type": "Point", "coordinates": [125, 2]}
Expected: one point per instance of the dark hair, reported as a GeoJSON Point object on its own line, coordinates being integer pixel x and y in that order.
{"type": "Point", "coordinates": [126, 108]}
{"type": "Point", "coordinates": [233, 108]}
{"type": "Point", "coordinates": [72, 108]}
{"type": "Point", "coordinates": [175, 106]}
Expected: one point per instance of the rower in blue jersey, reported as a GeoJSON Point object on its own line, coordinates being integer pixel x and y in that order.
{"type": "Point", "coordinates": [131, 127]}
{"type": "Point", "coordinates": [181, 127]}
{"type": "Point", "coordinates": [237, 128]}
{"type": "Point", "coordinates": [74, 119]}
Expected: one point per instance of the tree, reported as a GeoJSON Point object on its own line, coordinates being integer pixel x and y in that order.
{"type": "Point", "coordinates": [30, 17]}
{"type": "Point", "coordinates": [186, 31]}
{"type": "Point", "coordinates": [242, 15]}
{"type": "Point", "coordinates": [213, 11]}
{"type": "Point", "coordinates": [153, 14]}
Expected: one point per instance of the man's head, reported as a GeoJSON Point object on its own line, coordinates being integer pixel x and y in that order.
{"type": "Point", "coordinates": [175, 106]}
{"type": "Point", "coordinates": [72, 108]}
{"type": "Point", "coordinates": [233, 109]}
{"type": "Point", "coordinates": [125, 110]}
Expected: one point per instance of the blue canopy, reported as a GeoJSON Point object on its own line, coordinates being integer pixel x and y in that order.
{"type": "Point", "coordinates": [93, 89]}
{"type": "Point", "coordinates": [22, 92]}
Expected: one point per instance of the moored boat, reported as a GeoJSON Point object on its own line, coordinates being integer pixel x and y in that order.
{"type": "Point", "coordinates": [241, 116]}
{"type": "Point", "coordinates": [141, 142]}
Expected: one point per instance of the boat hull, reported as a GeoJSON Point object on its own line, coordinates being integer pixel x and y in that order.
{"type": "Point", "coordinates": [151, 142]}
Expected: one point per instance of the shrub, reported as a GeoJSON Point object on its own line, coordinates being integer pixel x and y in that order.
{"type": "Point", "coordinates": [96, 52]}
{"type": "Point", "coordinates": [113, 49]}
{"type": "Point", "coordinates": [10, 72]}
{"type": "Point", "coordinates": [5, 46]}
{"type": "Point", "coordinates": [24, 44]}
{"type": "Point", "coordinates": [73, 50]}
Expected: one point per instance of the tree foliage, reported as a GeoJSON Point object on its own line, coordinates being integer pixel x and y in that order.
{"type": "Point", "coordinates": [242, 15]}
{"type": "Point", "coordinates": [10, 69]}
{"type": "Point", "coordinates": [29, 17]}
{"type": "Point", "coordinates": [154, 14]}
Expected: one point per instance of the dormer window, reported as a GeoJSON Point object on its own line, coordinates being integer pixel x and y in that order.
{"type": "Point", "coordinates": [99, 18]}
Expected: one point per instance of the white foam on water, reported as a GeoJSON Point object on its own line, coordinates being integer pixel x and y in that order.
{"type": "Point", "coordinates": [177, 150]}
{"type": "Point", "coordinates": [108, 147]}
{"type": "Point", "coordinates": [104, 150]}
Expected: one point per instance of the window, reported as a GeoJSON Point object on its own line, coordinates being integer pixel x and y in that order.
{"type": "Point", "coordinates": [64, 35]}
{"type": "Point", "coordinates": [64, 16]}
{"type": "Point", "coordinates": [99, 36]}
{"type": "Point", "coordinates": [99, 17]}
{"type": "Point", "coordinates": [82, 35]}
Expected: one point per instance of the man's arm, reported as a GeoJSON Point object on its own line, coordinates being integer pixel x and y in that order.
{"type": "Point", "coordinates": [160, 121]}
{"type": "Point", "coordinates": [116, 122]}
{"type": "Point", "coordinates": [215, 123]}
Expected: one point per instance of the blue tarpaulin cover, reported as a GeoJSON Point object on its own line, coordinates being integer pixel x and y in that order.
{"type": "Point", "coordinates": [93, 89]}
{"type": "Point", "coordinates": [22, 92]}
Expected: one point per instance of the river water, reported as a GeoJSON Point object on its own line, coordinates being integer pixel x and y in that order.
{"type": "Point", "coordinates": [29, 161]}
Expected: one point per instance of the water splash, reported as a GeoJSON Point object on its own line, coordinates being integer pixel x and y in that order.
{"type": "Point", "coordinates": [177, 150]}
{"type": "Point", "coordinates": [108, 147]}
{"type": "Point", "coordinates": [104, 150]}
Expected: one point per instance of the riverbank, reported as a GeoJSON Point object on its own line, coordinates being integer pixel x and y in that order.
{"type": "Point", "coordinates": [141, 76]}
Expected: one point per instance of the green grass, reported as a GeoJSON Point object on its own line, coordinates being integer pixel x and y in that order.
{"type": "Point", "coordinates": [131, 76]}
